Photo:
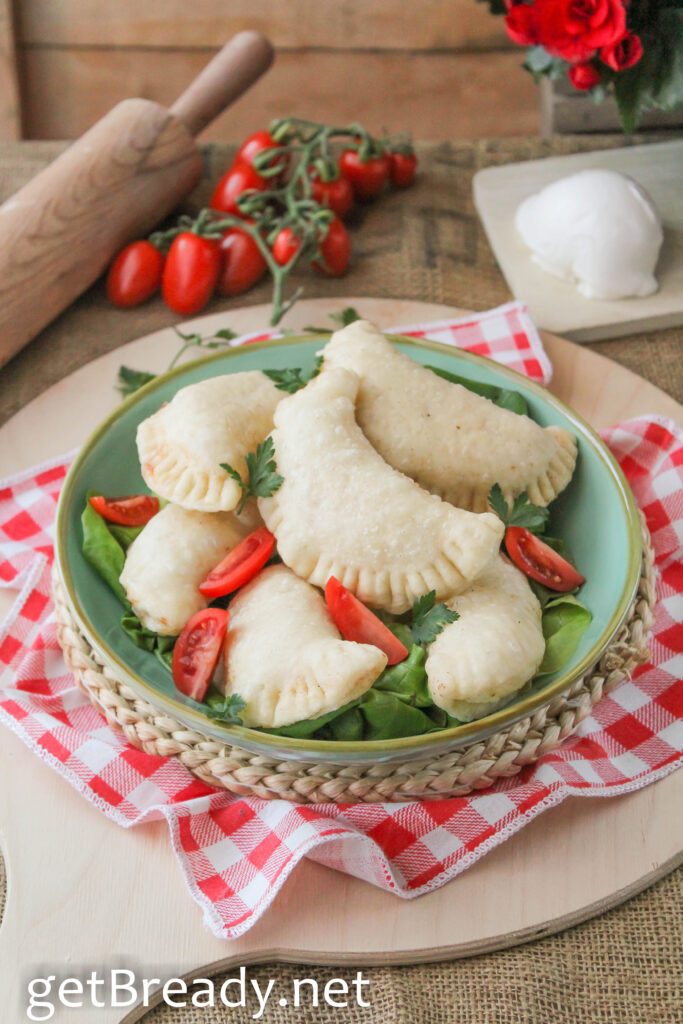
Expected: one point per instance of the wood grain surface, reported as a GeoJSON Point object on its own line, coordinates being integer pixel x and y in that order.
{"type": "Point", "coordinates": [10, 112]}
{"type": "Point", "coordinates": [574, 861]}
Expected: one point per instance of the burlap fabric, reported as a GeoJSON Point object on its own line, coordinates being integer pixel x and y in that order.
{"type": "Point", "coordinates": [426, 244]}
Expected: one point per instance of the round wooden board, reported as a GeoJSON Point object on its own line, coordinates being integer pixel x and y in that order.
{"type": "Point", "coordinates": [84, 892]}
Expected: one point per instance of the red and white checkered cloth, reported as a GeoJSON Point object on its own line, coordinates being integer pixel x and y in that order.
{"type": "Point", "coordinates": [235, 853]}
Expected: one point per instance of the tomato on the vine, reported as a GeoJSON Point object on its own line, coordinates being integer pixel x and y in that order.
{"type": "Point", "coordinates": [242, 263]}
{"type": "Point", "coordinates": [135, 274]}
{"type": "Point", "coordinates": [287, 243]}
{"type": "Point", "coordinates": [402, 167]}
{"type": "Point", "coordinates": [336, 195]}
{"type": "Point", "coordinates": [541, 562]}
{"type": "Point", "coordinates": [367, 177]}
{"type": "Point", "coordinates": [240, 178]}
{"type": "Point", "coordinates": [190, 272]}
{"type": "Point", "coordinates": [254, 144]}
{"type": "Point", "coordinates": [335, 249]}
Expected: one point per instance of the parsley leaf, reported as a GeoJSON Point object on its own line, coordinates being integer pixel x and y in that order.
{"type": "Point", "coordinates": [294, 378]}
{"type": "Point", "coordinates": [346, 317]}
{"type": "Point", "coordinates": [503, 397]}
{"type": "Point", "coordinates": [226, 710]}
{"type": "Point", "coordinates": [523, 512]}
{"type": "Point", "coordinates": [429, 618]}
{"type": "Point", "coordinates": [262, 476]}
{"type": "Point", "coordinates": [130, 380]}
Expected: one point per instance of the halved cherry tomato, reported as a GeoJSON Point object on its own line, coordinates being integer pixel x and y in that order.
{"type": "Point", "coordinates": [242, 263]}
{"type": "Point", "coordinates": [402, 168]}
{"type": "Point", "coordinates": [335, 249]}
{"type": "Point", "coordinates": [356, 622]}
{"type": "Point", "coordinates": [135, 274]}
{"type": "Point", "coordinates": [285, 246]}
{"type": "Point", "coordinates": [234, 182]}
{"type": "Point", "coordinates": [190, 273]}
{"type": "Point", "coordinates": [540, 561]}
{"type": "Point", "coordinates": [368, 177]}
{"type": "Point", "coordinates": [337, 194]}
{"type": "Point", "coordinates": [197, 651]}
{"type": "Point", "coordinates": [134, 511]}
{"type": "Point", "coordinates": [241, 565]}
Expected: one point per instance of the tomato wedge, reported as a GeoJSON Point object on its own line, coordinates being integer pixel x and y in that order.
{"type": "Point", "coordinates": [539, 561]}
{"type": "Point", "coordinates": [356, 622]}
{"type": "Point", "coordinates": [134, 511]}
{"type": "Point", "coordinates": [197, 651]}
{"type": "Point", "coordinates": [241, 565]}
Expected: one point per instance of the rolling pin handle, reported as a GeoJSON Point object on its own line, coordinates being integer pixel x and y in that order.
{"type": "Point", "coordinates": [231, 72]}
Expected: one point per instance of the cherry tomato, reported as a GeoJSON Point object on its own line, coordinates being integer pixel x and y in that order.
{"type": "Point", "coordinates": [368, 177]}
{"type": "Point", "coordinates": [135, 274]}
{"type": "Point", "coordinates": [540, 561]}
{"type": "Point", "coordinates": [402, 168]}
{"type": "Point", "coordinates": [356, 622]}
{"type": "Point", "coordinates": [234, 182]}
{"type": "Point", "coordinates": [337, 195]}
{"type": "Point", "coordinates": [285, 246]}
{"type": "Point", "coordinates": [197, 651]}
{"type": "Point", "coordinates": [134, 511]}
{"type": "Point", "coordinates": [255, 144]}
{"type": "Point", "coordinates": [190, 273]}
{"type": "Point", "coordinates": [240, 565]}
{"type": "Point", "coordinates": [335, 249]}
{"type": "Point", "coordinates": [242, 263]}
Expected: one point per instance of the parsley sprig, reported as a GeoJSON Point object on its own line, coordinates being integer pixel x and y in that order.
{"type": "Point", "coordinates": [262, 476]}
{"type": "Point", "coordinates": [130, 380]}
{"type": "Point", "coordinates": [523, 512]}
{"type": "Point", "coordinates": [429, 618]}
{"type": "Point", "coordinates": [294, 378]}
{"type": "Point", "coordinates": [226, 710]}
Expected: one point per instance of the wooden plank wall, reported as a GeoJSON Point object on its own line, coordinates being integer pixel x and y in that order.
{"type": "Point", "coordinates": [438, 68]}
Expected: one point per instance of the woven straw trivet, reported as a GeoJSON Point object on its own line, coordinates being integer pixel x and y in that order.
{"type": "Point", "coordinates": [457, 773]}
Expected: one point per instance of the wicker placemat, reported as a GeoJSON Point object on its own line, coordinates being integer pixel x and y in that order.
{"type": "Point", "coordinates": [475, 766]}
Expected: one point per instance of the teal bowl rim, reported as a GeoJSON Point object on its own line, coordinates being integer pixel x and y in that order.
{"type": "Point", "coordinates": [368, 750]}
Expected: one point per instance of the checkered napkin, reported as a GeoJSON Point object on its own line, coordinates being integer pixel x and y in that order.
{"type": "Point", "coordinates": [235, 853]}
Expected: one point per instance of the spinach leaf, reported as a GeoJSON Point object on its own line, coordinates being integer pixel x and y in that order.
{"type": "Point", "coordinates": [147, 640]}
{"type": "Point", "coordinates": [503, 397]}
{"type": "Point", "coordinates": [125, 535]}
{"type": "Point", "coordinates": [387, 717]}
{"type": "Point", "coordinates": [102, 550]}
{"type": "Point", "coordinates": [408, 680]}
{"type": "Point", "coordinates": [565, 620]}
{"type": "Point", "coordinates": [310, 726]}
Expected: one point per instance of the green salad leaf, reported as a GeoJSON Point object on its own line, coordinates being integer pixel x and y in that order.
{"type": "Point", "coordinates": [564, 621]}
{"type": "Point", "coordinates": [160, 646]}
{"type": "Point", "coordinates": [262, 476]}
{"type": "Point", "coordinates": [102, 550]}
{"type": "Point", "coordinates": [503, 397]}
{"type": "Point", "coordinates": [523, 512]}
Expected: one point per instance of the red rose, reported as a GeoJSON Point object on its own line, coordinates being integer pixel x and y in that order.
{"type": "Point", "coordinates": [576, 29]}
{"type": "Point", "coordinates": [521, 25]}
{"type": "Point", "coordinates": [584, 76]}
{"type": "Point", "coordinates": [623, 54]}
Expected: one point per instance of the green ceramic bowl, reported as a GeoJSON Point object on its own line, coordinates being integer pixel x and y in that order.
{"type": "Point", "coordinates": [596, 515]}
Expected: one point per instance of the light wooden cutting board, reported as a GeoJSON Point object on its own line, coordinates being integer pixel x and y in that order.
{"type": "Point", "coordinates": [84, 892]}
{"type": "Point", "coordinates": [557, 305]}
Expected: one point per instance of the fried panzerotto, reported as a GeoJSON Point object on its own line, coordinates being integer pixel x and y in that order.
{"type": "Point", "coordinates": [479, 661]}
{"type": "Point", "coordinates": [182, 446]}
{"type": "Point", "coordinates": [343, 511]}
{"type": "Point", "coordinates": [285, 657]}
{"type": "Point", "coordinates": [452, 442]}
{"type": "Point", "coordinates": [169, 559]}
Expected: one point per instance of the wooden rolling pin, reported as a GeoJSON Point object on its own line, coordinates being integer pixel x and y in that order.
{"type": "Point", "coordinates": [59, 232]}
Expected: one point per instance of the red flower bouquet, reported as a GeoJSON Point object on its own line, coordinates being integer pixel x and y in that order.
{"type": "Point", "coordinates": [633, 48]}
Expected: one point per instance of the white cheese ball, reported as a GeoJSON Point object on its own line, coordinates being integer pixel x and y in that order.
{"type": "Point", "coordinates": [597, 228]}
